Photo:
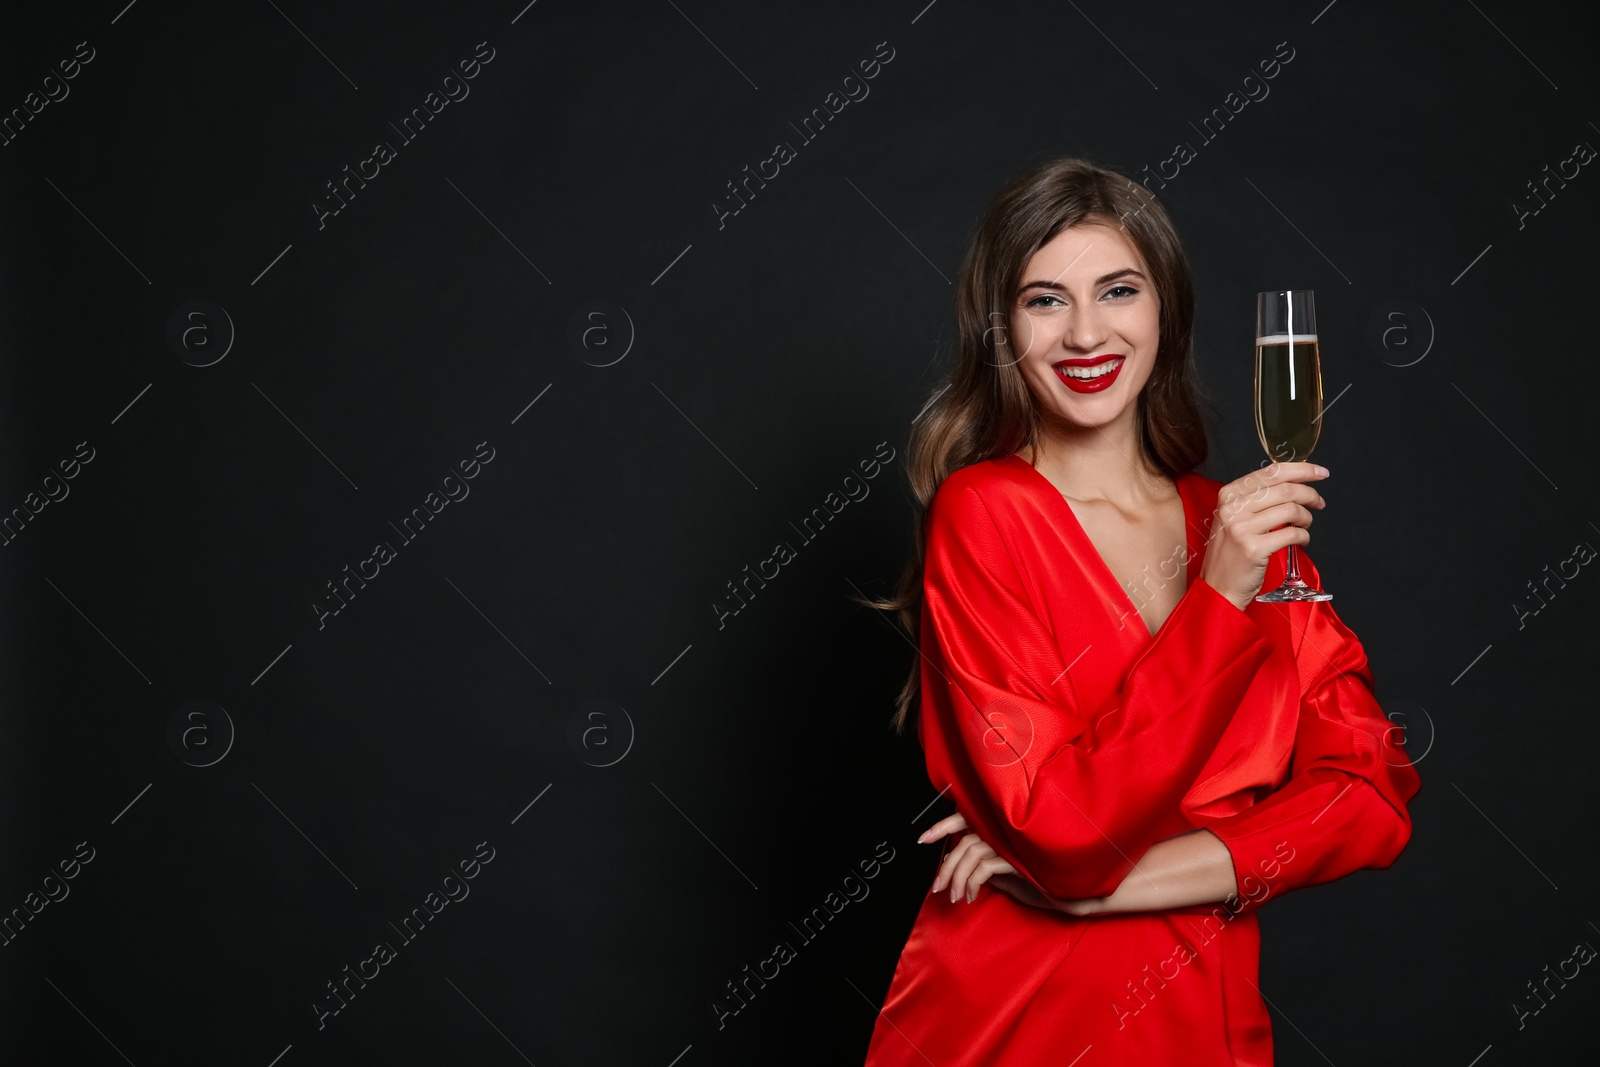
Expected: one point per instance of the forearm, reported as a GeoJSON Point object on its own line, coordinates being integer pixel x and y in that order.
{"type": "Point", "coordinates": [1192, 868]}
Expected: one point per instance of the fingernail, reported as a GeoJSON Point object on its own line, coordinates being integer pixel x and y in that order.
{"type": "Point", "coordinates": [1322, 471]}
{"type": "Point", "coordinates": [922, 838]}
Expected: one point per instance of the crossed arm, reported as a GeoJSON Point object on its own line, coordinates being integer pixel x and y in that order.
{"type": "Point", "coordinates": [1192, 868]}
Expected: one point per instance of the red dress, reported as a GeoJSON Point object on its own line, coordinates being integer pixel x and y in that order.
{"type": "Point", "coordinates": [1071, 739]}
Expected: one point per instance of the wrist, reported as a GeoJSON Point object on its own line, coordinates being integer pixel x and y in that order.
{"type": "Point", "coordinates": [1084, 906]}
{"type": "Point", "coordinates": [1233, 598]}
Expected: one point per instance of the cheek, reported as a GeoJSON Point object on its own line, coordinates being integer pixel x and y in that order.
{"type": "Point", "coordinates": [1152, 326]}
{"type": "Point", "coordinates": [1037, 377]}
{"type": "Point", "coordinates": [1023, 335]}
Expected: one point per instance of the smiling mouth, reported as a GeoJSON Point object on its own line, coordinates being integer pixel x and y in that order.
{"type": "Point", "coordinates": [1089, 369]}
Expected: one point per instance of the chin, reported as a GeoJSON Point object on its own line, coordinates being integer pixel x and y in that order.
{"type": "Point", "coordinates": [1088, 420]}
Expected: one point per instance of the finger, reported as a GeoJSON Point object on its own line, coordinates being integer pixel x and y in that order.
{"type": "Point", "coordinates": [1297, 491]}
{"type": "Point", "coordinates": [947, 866]}
{"type": "Point", "coordinates": [1020, 889]}
{"type": "Point", "coordinates": [1274, 540]}
{"type": "Point", "coordinates": [1267, 492]}
{"type": "Point", "coordinates": [1253, 486]}
{"type": "Point", "coordinates": [989, 868]}
{"type": "Point", "coordinates": [1288, 512]}
{"type": "Point", "coordinates": [953, 857]}
{"type": "Point", "coordinates": [961, 883]}
{"type": "Point", "coordinates": [950, 824]}
{"type": "Point", "coordinates": [1293, 471]}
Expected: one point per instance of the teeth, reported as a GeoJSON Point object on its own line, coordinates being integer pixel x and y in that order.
{"type": "Point", "coordinates": [1086, 373]}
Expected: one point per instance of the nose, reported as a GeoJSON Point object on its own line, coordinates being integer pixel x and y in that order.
{"type": "Point", "coordinates": [1086, 328]}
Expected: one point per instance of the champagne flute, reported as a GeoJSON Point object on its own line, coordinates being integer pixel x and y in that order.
{"type": "Point", "coordinates": [1288, 399]}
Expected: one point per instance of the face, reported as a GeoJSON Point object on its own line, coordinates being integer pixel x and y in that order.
{"type": "Point", "coordinates": [1085, 325]}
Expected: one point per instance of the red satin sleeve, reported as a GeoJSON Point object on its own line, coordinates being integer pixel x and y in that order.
{"type": "Point", "coordinates": [1068, 795]}
{"type": "Point", "coordinates": [1343, 807]}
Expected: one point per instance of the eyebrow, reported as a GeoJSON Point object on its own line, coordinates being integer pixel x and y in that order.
{"type": "Point", "coordinates": [1113, 276]}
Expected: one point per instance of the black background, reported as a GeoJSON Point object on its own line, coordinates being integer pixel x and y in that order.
{"type": "Point", "coordinates": [767, 358]}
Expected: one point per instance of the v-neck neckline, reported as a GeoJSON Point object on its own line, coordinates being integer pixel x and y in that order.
{"type": "Point", "coordinates": [1074, 529]}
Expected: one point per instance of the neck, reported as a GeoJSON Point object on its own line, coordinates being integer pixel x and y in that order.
{"type": "Point", "coordinates": [1098, 463]}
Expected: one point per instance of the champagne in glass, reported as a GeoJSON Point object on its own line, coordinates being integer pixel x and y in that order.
{"type": "Point", "coordinates": [1288, 399]}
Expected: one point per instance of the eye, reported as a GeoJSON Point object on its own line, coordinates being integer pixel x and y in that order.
{"type": "Point", "coordinates": [1128, 289]}
{"type": "Point", "coordinates": [1034, 303]}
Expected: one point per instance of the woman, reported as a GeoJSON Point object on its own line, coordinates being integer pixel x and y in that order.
{"type": "Point", "coordinates": [1140, 754]}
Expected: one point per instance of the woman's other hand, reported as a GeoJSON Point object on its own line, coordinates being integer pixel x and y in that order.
{"type": "Point", "coordinates": [1242, 535]}
{"type": "Point", "coordinates": [971, 863]}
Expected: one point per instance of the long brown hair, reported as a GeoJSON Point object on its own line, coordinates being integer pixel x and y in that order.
{"type": "Point", "coordinates": [984, 409]}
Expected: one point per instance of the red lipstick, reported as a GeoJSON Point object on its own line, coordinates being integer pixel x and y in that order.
{"type": "Point", "coordinates": [1099, 382]}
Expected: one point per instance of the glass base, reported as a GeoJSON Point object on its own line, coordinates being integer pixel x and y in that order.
{"type": "Point", "coordinates": [1292, 592]}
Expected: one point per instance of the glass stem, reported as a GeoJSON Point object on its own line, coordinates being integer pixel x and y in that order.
{"type": "Point", "coordinates": [1293, 577]}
